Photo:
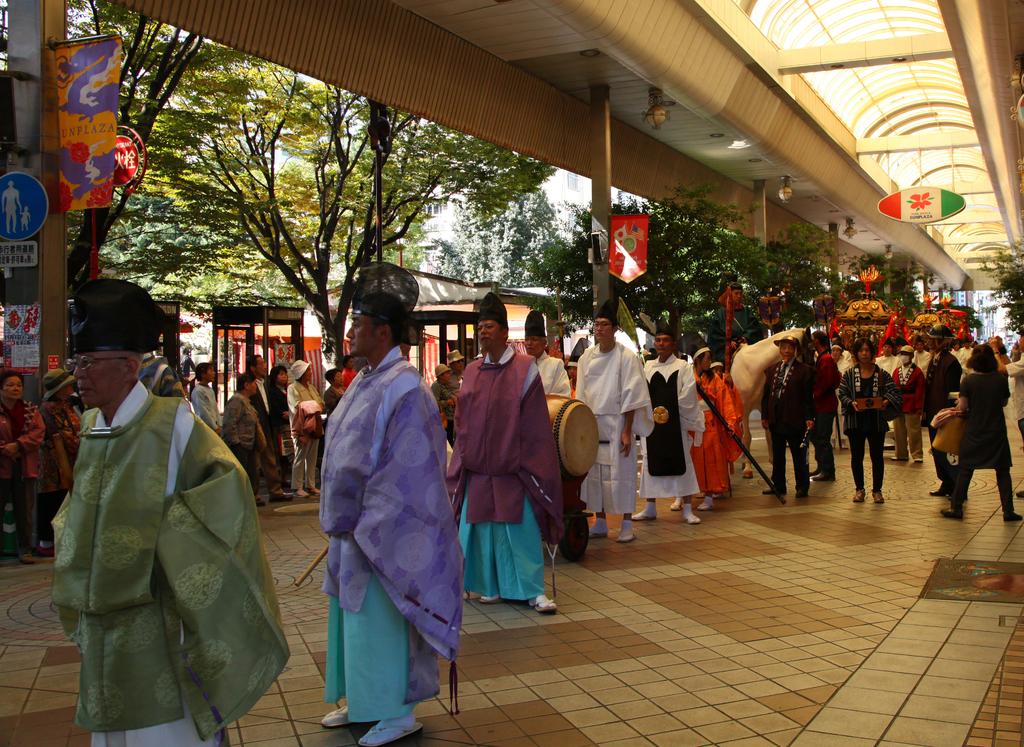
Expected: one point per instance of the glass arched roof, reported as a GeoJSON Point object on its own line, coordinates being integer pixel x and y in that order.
{"type": "Point", "coordinates": [909, 98]}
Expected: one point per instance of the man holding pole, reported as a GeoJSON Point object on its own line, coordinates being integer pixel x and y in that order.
{"type": "Point", "coordinates": [394, 570]}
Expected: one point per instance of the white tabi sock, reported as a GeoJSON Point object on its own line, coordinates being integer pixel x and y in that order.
{"type": "Point", "coordinates": [600, 527]}
{"type": "Point", "coordinates": [708, 504]}
{"type": "Point", "coordinates": [650, 511]}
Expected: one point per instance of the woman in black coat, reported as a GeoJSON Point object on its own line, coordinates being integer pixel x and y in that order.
{"type": "Point", "coordinates": [983, 395]}
{"type": "Point", "coordinates": [280, 420]}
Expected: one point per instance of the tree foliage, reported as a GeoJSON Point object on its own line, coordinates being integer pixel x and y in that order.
{"type": "Point", "coordinates": [692, 242]}
{"type": "Point", "coordinates": [284, 164]}
{"type": "Point", "coordinates": [504, 248]}
{"type": "Point", "coordinates": [1007, 268]}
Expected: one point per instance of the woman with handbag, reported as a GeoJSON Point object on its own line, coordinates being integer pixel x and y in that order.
{"type": "Point", "coordinates": [58, 453]}
{"type": "Point", "coordinates": [306, 444]}
{"type": "Point", "coordinates": [869, 399]}
{"type": "Point", "coordinates": [984, 444]}
{"type": "Point", "coordinates": [280, 417]}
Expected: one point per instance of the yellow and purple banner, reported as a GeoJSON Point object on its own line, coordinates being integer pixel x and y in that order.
{"type": "Point", "coordinates": [88, 80]}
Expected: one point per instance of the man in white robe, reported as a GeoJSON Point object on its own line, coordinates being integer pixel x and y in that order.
{"type": "Point", "coordinates": [691, 429]}
{"type": "Point", "coordinates": [553, 377]}
{"type": "Point", "coordinates": [611, 381]}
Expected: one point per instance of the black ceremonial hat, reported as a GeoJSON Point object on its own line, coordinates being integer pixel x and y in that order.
{"type": "Point", "coordinates": [609, 310]}
{"type": "Point", "coordinates": [661, 327]}
{"type": "Point", "coordinates": [492, 309]}
{"type": "Point", "coordinates": [385, 291]}
{"type": "Point", "coordinates": [535, 325]}
{"type": "Point", "coordinates": [577, 349]}
{"type": "Point", "coordinates": [109, 314]}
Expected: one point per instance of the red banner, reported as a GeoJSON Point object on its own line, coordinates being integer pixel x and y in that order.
{"type": "Point", "coordinates": [627, 257]}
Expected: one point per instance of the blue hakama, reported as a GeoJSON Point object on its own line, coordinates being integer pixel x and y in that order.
{"type": "Point", "coordinates": [368, 650]}
{"type": "Point", "coordinates": [503, 559]}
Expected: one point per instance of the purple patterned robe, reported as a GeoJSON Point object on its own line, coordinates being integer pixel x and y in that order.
{"type": "Point", "coordinates": [386, 511]}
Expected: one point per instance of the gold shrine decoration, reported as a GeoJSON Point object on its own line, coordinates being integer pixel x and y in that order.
{"type": "Point", "coordinates": [868, 276]}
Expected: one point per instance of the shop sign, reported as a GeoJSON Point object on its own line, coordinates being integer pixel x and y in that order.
{"type": "Point", "coordinates": [921, 205]}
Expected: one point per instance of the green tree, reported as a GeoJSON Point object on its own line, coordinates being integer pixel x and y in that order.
{"type": "Point", "coordinates": [692, 242]}
{"type": "Point", "coordinates": [502, 248]}
{"type": "Point", "coordinates": [199, 268]}
{"type": "Point", "coordinates": [797, 263]}
{"type": "Point", "coordinates": [285, 164]}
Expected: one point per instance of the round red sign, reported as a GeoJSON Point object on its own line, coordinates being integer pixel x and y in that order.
{"type": "Point", "coordinates": [126, 158]}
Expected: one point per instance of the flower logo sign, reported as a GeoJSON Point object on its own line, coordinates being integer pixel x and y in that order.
{"type": "Point", "coordinates": [921, 205]}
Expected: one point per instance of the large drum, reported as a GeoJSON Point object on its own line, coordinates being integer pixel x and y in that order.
{"type": "Point", "coordinates": [575, 430]}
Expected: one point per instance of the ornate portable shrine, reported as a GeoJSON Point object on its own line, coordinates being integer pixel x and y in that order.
{"type": "Point", "coordinates": [867, 316]}
{"type": "Point", "coordinates": [952, 318]}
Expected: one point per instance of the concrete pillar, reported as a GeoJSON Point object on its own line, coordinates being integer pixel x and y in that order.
{"type": "Point", "coordinates": [32, 24]}
{"type": "Point", "coordinates": [760, 214]}
{"type": "Point", "coordinates": [600, 185]}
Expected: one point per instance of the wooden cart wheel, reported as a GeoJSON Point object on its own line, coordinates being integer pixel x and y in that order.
{"type": "Point", "coordinates": [577, 535]}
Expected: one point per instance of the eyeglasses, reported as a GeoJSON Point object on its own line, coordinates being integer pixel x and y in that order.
{"type": "Point", "coordinates": [84, 363]}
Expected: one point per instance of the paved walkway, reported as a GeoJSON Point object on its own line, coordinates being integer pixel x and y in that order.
{"type": "Point", "coordinates": [766, 624]}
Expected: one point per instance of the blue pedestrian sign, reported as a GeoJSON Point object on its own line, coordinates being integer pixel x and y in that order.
{"type": "Point", "coordinates": [23, 206]}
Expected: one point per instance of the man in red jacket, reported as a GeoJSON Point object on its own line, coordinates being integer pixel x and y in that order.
{"type": "Point", "coordinates": [907, 425]}
{"type": "Point", "coordinates": [826, 381]}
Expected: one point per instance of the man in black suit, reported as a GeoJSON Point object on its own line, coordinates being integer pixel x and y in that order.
{"type": "Point", "coordinates": [787, 412]}
{"type": "Point", "coordinates": [265, 450]}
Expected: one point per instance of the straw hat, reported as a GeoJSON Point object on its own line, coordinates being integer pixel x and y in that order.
{"type": "Point", "coordinates": [440, 370]}
{"type": "Point", "coordinates": [54, 381]}
{"type": "Point", "coordinates": [298, 369]}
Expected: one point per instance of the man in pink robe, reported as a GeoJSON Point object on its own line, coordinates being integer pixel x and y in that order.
{"type": "Point", "coordinates": [504, 477]}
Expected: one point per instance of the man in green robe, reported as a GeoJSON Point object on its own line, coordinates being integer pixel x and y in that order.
{"type": "Point", "coordinates": [160, 576]}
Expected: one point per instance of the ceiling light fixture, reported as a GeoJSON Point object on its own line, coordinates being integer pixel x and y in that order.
{"type": "Point", "coordinates": [754, 160]}
{"type": "Point", "coordinates": [717, 134]}
{"type": "Point", "coordinates": [785, 188]}
{"type": "Point", "coordinates": [656, 114]}
{"type": "Point", "coordinates": [849, 232]}
{"type": "Point", "coordinates": [739, 145]}
{"type": "Point", "coordinates": [590, 52]}
{"type": "Point", "coordinates": [888, 251]}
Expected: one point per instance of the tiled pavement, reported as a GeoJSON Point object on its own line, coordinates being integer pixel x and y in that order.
{"type": "Point", "coordinates": [765, 624]}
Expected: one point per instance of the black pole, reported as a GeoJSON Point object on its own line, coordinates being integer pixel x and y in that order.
{"type": "Point", "coordinates": [380, 140]}
{"type": "Point", "coordinates": [739, 442]}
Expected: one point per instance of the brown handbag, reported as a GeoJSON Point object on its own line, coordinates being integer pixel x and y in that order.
{"type": "Point", "coordinates": [949, 436]}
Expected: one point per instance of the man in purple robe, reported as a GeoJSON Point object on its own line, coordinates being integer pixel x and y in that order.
{"type": "Point", "coordinates": [504, 476]}
{"type": "Point", "coordinates": [394, 567]}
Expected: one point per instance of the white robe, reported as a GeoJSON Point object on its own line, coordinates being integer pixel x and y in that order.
{"type": "Point", "coordinates": [888, 363]}
{"type": "Point", "coordinates": [612, 384]}
{"type": "Point", "coordinates": [180, 733]}
{"type": "Point", "coordinates": [691, 418]}
{"type": "Point", "coordinates": [553, 377]}
{"type": "Point", "coordinates": [921, 359]}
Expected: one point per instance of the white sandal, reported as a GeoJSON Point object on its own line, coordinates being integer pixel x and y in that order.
{"type": "Point", "coordinates": [490, 600]}
{"type": "Point", "coordinates": [336, 718]}
{"type": "Point", "coordinates": [388, 731]}
{"type": "Point", "coordinates": [544, 605]}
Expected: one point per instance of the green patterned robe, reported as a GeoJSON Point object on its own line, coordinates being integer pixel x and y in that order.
{"type": "Point", "coordinates": [158, 590]}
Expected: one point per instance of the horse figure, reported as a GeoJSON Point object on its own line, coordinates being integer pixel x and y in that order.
{"type": "Point", "coordinates": [749, 363]}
